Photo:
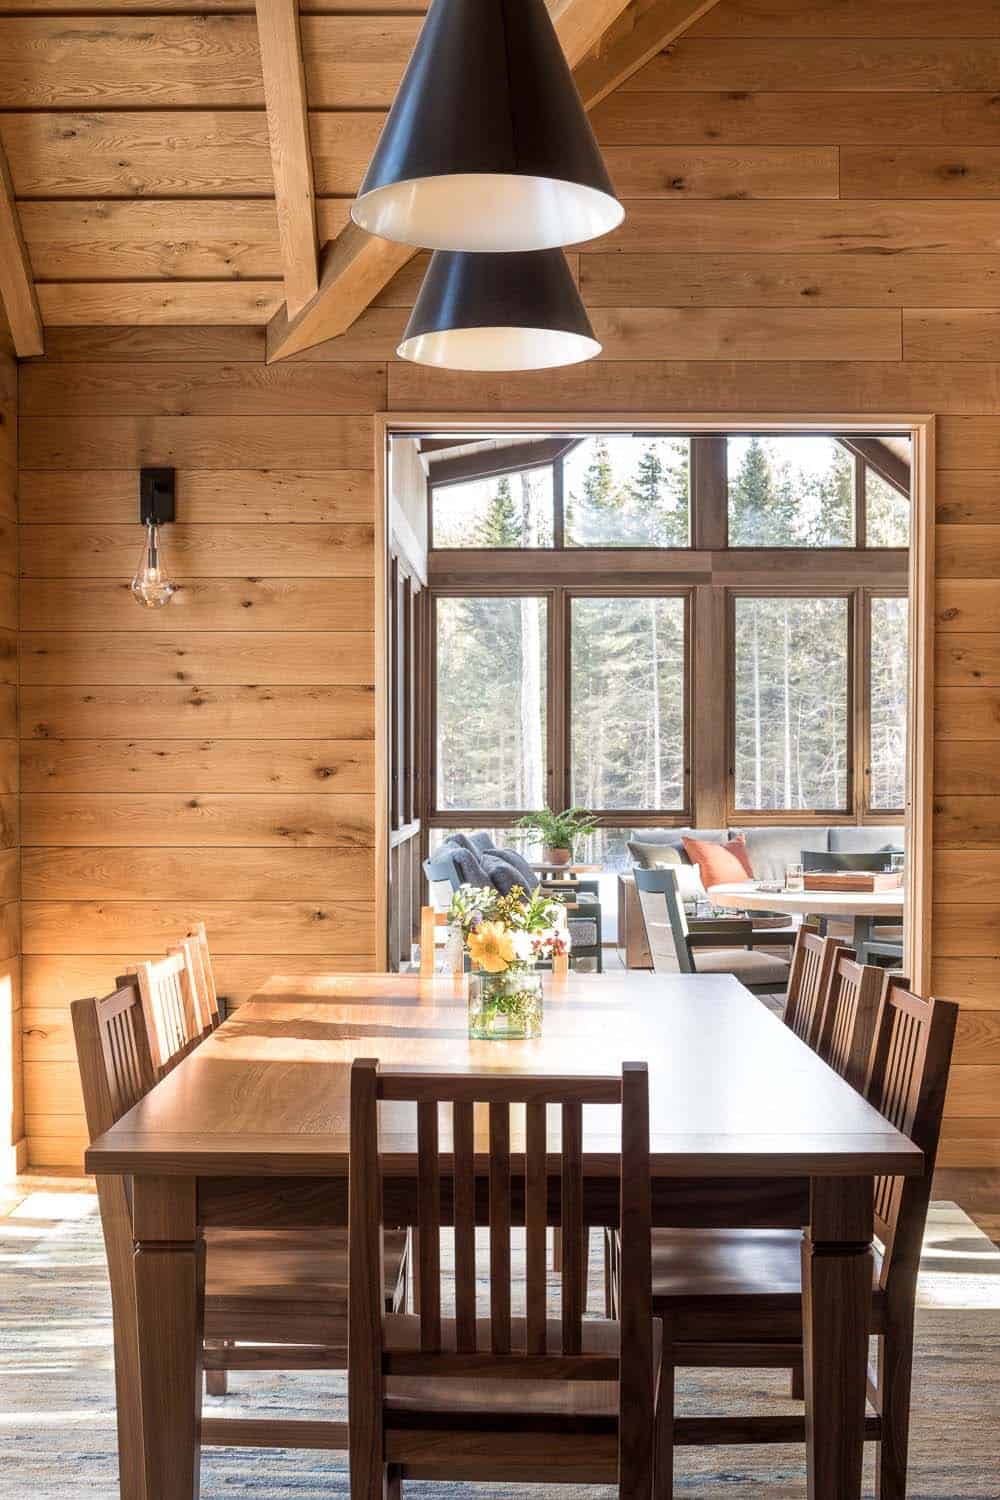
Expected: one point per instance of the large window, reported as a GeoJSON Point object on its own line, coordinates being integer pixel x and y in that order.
{"type": "Point", "coordinates": [666, 630]}
{"type": "Point", "coordinates": [887, 667]}
{"type": "Point", "coordinates": [491, 697]}
{"type": "Point", "coordinates": [627, 746]}
{"type": "Point", "coordinates": [791, 659]}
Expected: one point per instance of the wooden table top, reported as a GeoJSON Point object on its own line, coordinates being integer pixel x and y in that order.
{"type": "Point", "coordinates": [850, 903]}
{"type": "Point", "coordinates": [733, 1092]}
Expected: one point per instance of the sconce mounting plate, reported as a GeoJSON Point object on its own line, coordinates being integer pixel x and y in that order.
{"type": "Point", "coordinates": [156, 496]}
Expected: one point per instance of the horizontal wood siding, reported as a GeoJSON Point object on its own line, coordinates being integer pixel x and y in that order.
{"type": "Point", "coordinates": [214, 759]}
{"type": "Point", "coordinates": [812, 225]}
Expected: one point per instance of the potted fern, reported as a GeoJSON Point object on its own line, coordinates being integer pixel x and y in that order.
{"type": "Point", "coordinates": [559, 831]}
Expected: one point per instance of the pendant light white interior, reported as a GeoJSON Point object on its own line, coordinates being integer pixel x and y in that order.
{"type": "Point", "coordinates": [487, 145]}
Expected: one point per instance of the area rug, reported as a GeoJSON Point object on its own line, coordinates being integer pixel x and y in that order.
{"type": "Point", "coordinates": [57, 1429]}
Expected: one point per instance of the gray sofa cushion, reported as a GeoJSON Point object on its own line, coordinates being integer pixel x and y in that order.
{"type": "Point", "coordinates": [868, 840]}
{"type": "Point", "coordinates": [675, 837]}
{"type": "Point", "coordinates": [480, 842]}
{"type": "Point", "coordinates": [771, 849]}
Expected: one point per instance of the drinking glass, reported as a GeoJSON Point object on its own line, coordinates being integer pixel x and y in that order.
{"type": "Point", "coordinates": [794, 879]}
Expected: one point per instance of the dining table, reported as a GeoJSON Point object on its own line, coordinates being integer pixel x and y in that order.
{"type": "Point", "coordinates": [863, 908]}
{"type": "Point", "coordinates": [748, 1127]}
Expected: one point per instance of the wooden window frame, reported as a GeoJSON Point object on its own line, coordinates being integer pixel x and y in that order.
{"type": "Point", "coordinates": [558, 741]}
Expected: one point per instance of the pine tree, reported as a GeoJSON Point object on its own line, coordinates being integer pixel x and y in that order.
{"type": "Point", "coordinates": [501, 524]}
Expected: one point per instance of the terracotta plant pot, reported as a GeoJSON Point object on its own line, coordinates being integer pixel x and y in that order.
{"type": "Point", "coordinates": [556, 856]}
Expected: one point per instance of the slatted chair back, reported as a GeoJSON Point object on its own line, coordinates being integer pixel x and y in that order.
{"type": "Point", "coordinates": [907, 1081]}
{"type": "Point", "coordinates": [210, 994]}
{"type": "Point", "coordinates": [813, 960]}
{"type": "Point", "coordinates": [167, 988]}
{"type": "Point", "coordinates": [850, 1017]}
{"type": "Point", "coordinates": [190, 949]}
{"type": "Point", "coordinates": [113, 1052]}
{"type": "Point", "coordinates": [519, 1192]}
{"type": "Point", "coordinates": [665, 921]}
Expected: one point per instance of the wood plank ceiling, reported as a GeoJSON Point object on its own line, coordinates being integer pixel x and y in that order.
{"type": "Point", "coordinates": [184, 163]}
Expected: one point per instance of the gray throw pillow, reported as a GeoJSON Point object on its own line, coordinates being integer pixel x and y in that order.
{"type": "Point", "coordinates": [648, 855]}
{"type": "Point", "coordinates": [500, 875]}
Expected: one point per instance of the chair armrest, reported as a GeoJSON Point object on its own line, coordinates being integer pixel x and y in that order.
{"type": "Point", "coordinates": [719, 932]}
{"type": "Point", "coordinates": [764, 937]}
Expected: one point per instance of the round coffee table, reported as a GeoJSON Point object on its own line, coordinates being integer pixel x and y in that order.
{"type": "Point", "coordinates": [864, 908]}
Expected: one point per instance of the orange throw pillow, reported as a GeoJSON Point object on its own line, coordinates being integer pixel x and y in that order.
{"type": "Point", "coordinates": [720, 864]}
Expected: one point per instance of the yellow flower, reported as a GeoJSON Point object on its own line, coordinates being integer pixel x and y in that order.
{"type": "Point", "coordinates": [491, 948]}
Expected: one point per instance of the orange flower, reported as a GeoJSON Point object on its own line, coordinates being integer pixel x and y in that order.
{"type": "Point", "coordinates": [491, 948]}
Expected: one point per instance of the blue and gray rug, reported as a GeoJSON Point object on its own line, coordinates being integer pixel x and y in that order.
{"type": "Point", "coordinates": [57, 1429]}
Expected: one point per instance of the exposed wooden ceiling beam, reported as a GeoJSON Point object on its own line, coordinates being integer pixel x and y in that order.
{"type": "Point", "coordinates": [17, 286]}
{"type": "Point", "coordinates": [291, 154]}
{"type": "Point", "coordinates": [356, 266]}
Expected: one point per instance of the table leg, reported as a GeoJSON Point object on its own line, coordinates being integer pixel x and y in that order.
{"type": "Point", "coordinates": [169, 1288]}
{"type": "Point", "coordinates": [862, 934]}
{"type": "Point", "coordinates": [837, 1265]}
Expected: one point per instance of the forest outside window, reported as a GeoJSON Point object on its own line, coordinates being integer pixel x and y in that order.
{"type": "Point", "coordinates": [491, 702]}
{"type": "Point", "coordinates": [604, 490]}
{"type": "Point", "coordinates": [627, 720]}
{"type": "Point", "coordinates": [791, 681]}
{"type": "Point", "coordinates": [887, 668]}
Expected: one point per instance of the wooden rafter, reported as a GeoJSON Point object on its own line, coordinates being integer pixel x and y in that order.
{"type": "Point", "coordinates": [17, 286]}
{"type": "Point", "coordinates": [291, 154]}
{"type": "Point", "coordinates": [640, 32]}
{"type": "Point", "coordinates": [356, 266]}
{"type": "Point", "coordinates": [886, 464]}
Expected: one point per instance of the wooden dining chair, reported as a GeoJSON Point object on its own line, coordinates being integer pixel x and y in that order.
{"type": "Point", "coordinates": [170, 1004]}
{"type": "Point", "coordinates": [205, 972]}
{"type": "Point", "coordinates": [849, 1017]}
{"type": "Point", "coordinates": [274, 1300]}
{"type": "Point", "coordinates": [490, 1395]}
{"type": "Point", "coordinates": [732, 1298]}
{"type": "Point", "coordinates": [813, 960]}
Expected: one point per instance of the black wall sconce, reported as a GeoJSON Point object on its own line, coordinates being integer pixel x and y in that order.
{"type": "Point", "coordinates": [151, 587]}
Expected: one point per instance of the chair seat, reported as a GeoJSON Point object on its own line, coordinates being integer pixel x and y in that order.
{"type": "Point", "coordinates": [465, 1394]}
{"type": "Point", "coordinates": [747, 964]}
{"type": "Point", "coordinates": [698, 1272]}
{"type": "Point", "coordinates": [287, 1287]}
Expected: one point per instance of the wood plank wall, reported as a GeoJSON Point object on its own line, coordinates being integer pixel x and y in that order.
{"type": "Point", "coordinates": [214, 758]}
{"type": "Point", "coordinates": [813, 224]}
{"type": "Point", "coordinates": [12, 1149]}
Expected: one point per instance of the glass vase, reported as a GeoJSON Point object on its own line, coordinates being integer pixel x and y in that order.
{"type": "Point", "coordinates": [505, 1007]}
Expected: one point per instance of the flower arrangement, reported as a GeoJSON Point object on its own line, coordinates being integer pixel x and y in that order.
{"type": "Point", "coordinates": [506, 936]}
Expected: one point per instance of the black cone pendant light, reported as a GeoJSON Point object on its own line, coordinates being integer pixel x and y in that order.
{"type": "Point", "coordinates": [498, 312]}
{"type": "Point", "coordinates": [487, 146]}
